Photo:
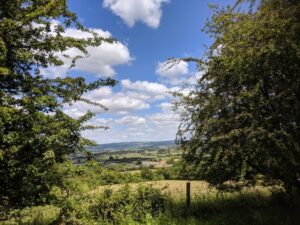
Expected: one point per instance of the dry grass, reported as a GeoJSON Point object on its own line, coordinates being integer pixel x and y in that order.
{"type": "Point", "coordinates": [175, 188]}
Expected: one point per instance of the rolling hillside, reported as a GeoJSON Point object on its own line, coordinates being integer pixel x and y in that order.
{"type": "Point", "coordinates": [123, 146]}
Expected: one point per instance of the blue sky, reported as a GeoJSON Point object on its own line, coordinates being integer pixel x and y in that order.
{"type": "Point", "coordinates": [148, 33]}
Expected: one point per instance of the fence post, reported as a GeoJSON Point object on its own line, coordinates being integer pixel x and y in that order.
{"type": "Point", "coordinates": [188, 195]}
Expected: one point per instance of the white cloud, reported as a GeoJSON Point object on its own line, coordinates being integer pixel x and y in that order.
{"type": "Point", "coordinates": [75, 33]}
{"type": "Point", "coordinates": [145, 89]}
{"type": "Point", "coordinates": [132, 120]}
{"type": "Point", "coordinates": [132, 11]}
{"type": "Point", "coordinates": [100, 60]}
{"type": "Point", "coordinates": [117, 102]}
{"type": "Point", "coordinates": [128, 121]}
{"type": "Point", "coordinates": [153, 127]}
{"type": "Point", "coordinates": [99, 93]}
{"type": "Point", "coordinates": [166, 106]}
{"type": "Point", "coordinates": [122, 103]}
{"type": "Point", "coordinates": [164, 118]}
{"type": "Point", "coordinates": [173, 74]}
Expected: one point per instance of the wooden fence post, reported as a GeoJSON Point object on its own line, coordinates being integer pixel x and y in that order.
{"type": "Point", "coordinates": [188, 194]}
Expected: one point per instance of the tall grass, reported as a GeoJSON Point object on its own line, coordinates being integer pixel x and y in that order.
{"type": "Point", "coordinates": [259, 207]}
{"type": "Point", "coordinates": [256, 206]}
{"type": "Point", "coordinates": [37, 215]}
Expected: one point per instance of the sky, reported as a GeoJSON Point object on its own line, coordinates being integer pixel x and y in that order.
{"type": "Point", "coordinates": [148, 32]}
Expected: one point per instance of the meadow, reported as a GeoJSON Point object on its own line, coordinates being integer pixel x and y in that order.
{"type": "Point", "coordinates": [96, 195]}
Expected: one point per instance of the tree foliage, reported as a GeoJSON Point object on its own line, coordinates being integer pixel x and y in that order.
{"type": "Point", "coordinates": [243, 116]}
{"type": "Point", "coordinates": [35, 134]}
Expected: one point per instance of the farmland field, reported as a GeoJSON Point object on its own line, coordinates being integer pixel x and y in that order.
{"type": "Point", "coordinates": [134, 157]}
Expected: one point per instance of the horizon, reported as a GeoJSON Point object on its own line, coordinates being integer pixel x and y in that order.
{"type": "Point", "coordinates": [136, 142]}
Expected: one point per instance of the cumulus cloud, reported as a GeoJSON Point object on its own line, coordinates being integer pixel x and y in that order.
{"type": "Point", "coordinates": [117, 103]}
{"type": "Point", "coordinates": [126, 108]}
{"type": "Point", "coordinates": [132, 11]}
{"type": "Point", "coordinates": [172, 74]}
{"type": "Point", "coordinates": [120, 106]}
{"type": "Point", "coordinates": [158, 126]}
{"type": "Point", "coordinates": [131, 120]}
{"type": "Point", "coordinates": [133, 96]}
{"type": "Point", "coordinates": [164, 118]}
{"type": "Point", "coordinates": [145, 89]}
{"type": "Point", "coordinates": [166, 106]}
{"type": "Point", "coordinates": [100, 60]}
{"type": "Point", "coordinates": [122, 103]}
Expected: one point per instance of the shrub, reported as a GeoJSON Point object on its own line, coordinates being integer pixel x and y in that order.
{"type": "Point", "coordinates": [164, 172]}
{"type": "Point", "coordinates": [148, 200]}
{"type": "Point", "coordinates": [115, 206]}
{"type": "Point", "coordinates": [112, 206]}
{"type": "Point", "coordinates": [147, 174]}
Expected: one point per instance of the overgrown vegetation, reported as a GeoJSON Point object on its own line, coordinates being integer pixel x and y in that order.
{"type": "Point", "coordinates": [145, 204]}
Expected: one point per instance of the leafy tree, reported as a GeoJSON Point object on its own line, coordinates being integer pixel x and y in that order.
{"type": "Point", "coordinates": [243, 116]}
{"type": "Point", "coordinates": [35, 134]}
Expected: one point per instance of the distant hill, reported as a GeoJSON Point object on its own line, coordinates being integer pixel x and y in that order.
{"type": "Point", "coordinates": [124, 146]}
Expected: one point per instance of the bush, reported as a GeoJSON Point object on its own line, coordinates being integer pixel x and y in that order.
{"type": "Point", "coordinates": [164, 172]}
{"type": "Point", "coordinates": [115, 206]}
{"type": "Point", "coordinates": [112, 206]}
{"type": "Point", "coordinates": [147, 174]}
{"type": "Point", "coordinates": [148, 200]}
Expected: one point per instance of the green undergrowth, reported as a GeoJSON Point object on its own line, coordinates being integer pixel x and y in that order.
{"type": "Point", "coordinates": [148, 205]}
{"type": "Point", "coordinates": [73, 202]}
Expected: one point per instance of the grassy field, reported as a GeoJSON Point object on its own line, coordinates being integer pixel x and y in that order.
{"type": "Point", "coordinates": [127, 200]}
{"type": "Point", "coordinates": [174, 188]}
{"type": "Point", "coordinates": [252, 206]}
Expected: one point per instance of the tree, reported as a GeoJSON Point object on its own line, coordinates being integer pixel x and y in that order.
{"type": "Point", "coordinates": [243, 116]}
{"type": "Point", "coordinates": [35, 134]}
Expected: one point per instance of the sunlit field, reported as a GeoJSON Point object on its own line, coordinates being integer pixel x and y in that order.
{"type": "Point", "coordinates": [256, 205]}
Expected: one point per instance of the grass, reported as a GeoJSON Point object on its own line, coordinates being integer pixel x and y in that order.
{"type": "Point", "coordinates": [174, 188]}
{"type": "Point", "coordinates": [252, 206]}
{"type": "Point", "coordinates": [37, 215]}
{"type": "Point", "coordinates": [239, 208]}
{"type": "Point", "coordinates": [257, 205]}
